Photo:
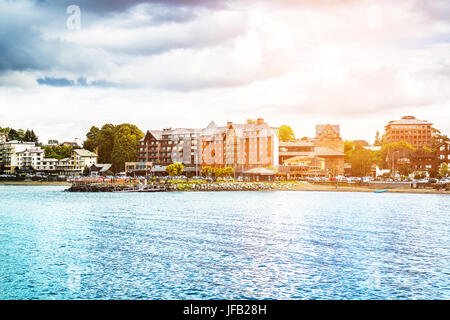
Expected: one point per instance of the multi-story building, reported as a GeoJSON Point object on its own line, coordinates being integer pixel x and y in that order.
{"type": "Point", "coordinates": [309, 149]}
{"type": "Point", "coordinates": [411, 130]}
{"type": "Point", "coordinates": [328, 132]}
{"type": "Point", "coordinates": [82, 158]}
{"type": "Point", "coordinates": [76, 163]}
{"type": "Point", "coordinates": [443, 153]}
{"type": "Point", "coordinates": [329, 135]}
{"type": "Point", "coordinates": [241, 146]}
{"type": "Point", "coordinates": [327, 147]}
{"type": "Point", "coordinates": [25, 156]}
{"type": "Point", "coordinates": [9, 159]}
{"type": "Point", "coordinates": [30, 159]}
{"type": "Point", "coordinates": [161, 148]}
{"type": "Point", "coordinates": [150, 147]}
{"type": "Point", "coordinates": [2, 138]}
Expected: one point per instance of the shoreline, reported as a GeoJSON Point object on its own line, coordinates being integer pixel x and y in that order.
{"type": "Point", "coordinates": [254, 186]}
{"type": "Point", "coordinates": [274, 187]}
{"type": "Point", "coordinates": [35, 183]}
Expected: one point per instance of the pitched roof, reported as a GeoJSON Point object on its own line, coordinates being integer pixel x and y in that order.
{"type": "Point", "coordinates": [321, 127]}
{"type": "Point", "coordinates": [84, 153]}
{"type": "Point", "coordinates": [103, 167]}
{"type": "Point", "coordinates": [409, 120]}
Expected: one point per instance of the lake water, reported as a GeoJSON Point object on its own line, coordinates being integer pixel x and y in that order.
{"type": "Point", "coordinates": [223, 245]}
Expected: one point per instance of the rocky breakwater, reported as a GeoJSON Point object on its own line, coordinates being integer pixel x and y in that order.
{"type": "Point", "coordinates": [184, 186]}
{"type": "Point", "coordinates": [229, 186]}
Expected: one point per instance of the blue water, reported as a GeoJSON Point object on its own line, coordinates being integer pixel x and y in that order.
{"type": "Point", "coordinates": [231, 245]}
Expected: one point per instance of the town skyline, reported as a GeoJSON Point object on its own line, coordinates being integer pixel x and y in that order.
{"type": "Point", "coordinates": [184, 63]}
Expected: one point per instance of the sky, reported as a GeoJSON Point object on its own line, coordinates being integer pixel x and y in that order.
{"type": "Point", "coordinates": [183, 63]}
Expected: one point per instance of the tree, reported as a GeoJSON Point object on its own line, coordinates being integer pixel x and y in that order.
{"type": "Point", "coordinates": [171, 170]}
{"type": "Point", "coordinates": [361, 161]}
{"type": "Point", "coordinates": [13, 135]}
{"type": "Point", "coordinates": [228, 171]}
{"type": "Point", "coordinates": [206, 171]}
{"type": "Point", "coordinates": [390, 152]}
{"type": "Point", "coordinates": [175, 169]}
{"type": "Point", "coordinates": [58, 152]}
{"type": "Point", "coordinates": [433, 173]}
{"type": "Point", "coordinates": [125, 145]}
{"type": "Point", "coordinates": [286, 133]}
{"type": "Point", "coordinates": [114, 144]}
{"type": "Point", "coordinates": [404, 169]}
{"type": "Point", "coordinates": [179, 168]}
{"type": "Point", "coordinates": [105, 143]}
{"type": "Point", "coordinates": [443, 169]}
{"type": "Point", "coordinates": [91, 143]}
{"type": "Point", "coordinates": [30, 136]}
{"type": "Point", "coordinates": [86, 171]}
{"type": "Point", "coordinates": [377, 139]}
{"type": "Point", "coordinates": [349, 146]}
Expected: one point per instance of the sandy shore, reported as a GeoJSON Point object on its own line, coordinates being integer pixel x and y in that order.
{"type": "Point", "coordinates": [317, 187]}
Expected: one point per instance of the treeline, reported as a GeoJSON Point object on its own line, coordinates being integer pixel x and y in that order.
{"type": "Point", "coordinates": [20, 134]}
{"type": "Point", "coordinates": [362, 159]}
{"type": "Point", "coordinates": [114, 144]}
{"type": "Point", "coordinates": [58, 152]}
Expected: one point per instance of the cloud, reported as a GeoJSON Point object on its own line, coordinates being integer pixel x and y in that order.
{"type": "Point", "coordinates": [352, 61]}
{"type": "Point", "coordinates": [80, 82]}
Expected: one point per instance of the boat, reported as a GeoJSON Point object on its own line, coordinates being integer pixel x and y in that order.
{"type": "Point", "coordinates": [381, 191]}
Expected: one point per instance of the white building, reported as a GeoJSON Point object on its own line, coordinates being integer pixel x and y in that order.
{"type": "Point", "coordinates": [9, 159]}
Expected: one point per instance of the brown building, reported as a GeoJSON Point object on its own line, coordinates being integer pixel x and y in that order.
{"type": "Point", "coordinates": [411, 130]}
{"type": "Point", "coordinates": [303, 149]}
{"type": "Point", "coordinates": [329, 135]}
{"type": "Point", "coordinates": [443, 153]}
{"type": "Point", "coordinates": [242, 146]}
{"type": "Point", "coordinates": [328, 132]}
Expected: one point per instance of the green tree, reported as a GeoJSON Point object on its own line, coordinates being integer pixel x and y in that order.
{"type": "Point", "coordinates": [114, 144]}
{"type": "Point", "coordinates": [171, 170]}
{"type": "Point", "coordinates": [392, 151]}
{"type": "Point", "coordinates": [58, 152]}
{"type": "Point", "coordinates": [13, 135]}
{"type": "Point", "coordinates": [86, 171]}
{"type": "Point", "coordinates": [125, 145]}
{"type": "Point", "coordinates": [349, 147]}
{"type": "Point", "coordinates": [30, 136]}
{"type": "Point", "coordinates": [404, 169]}
{"type": "Point", "coordinates": [361, 161]}
{"type": "Point", "coordinates": [443, 169]}
{"type": "Point", "coordinates": [105, 143]}
{"type": "Point", "coordinates": [228, 171]}
{"type": "Point", "coordinates": [286, 133]}
{"type": "Point", "coordinates": [179, 168]}
{"type": "Point", "coordinates": [91, 143]}
{"type": "Point", "coordinates": [206, 171]}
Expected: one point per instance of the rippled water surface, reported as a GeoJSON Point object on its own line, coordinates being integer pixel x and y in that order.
{"type": "Point", "coordinates": [230, 245]}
